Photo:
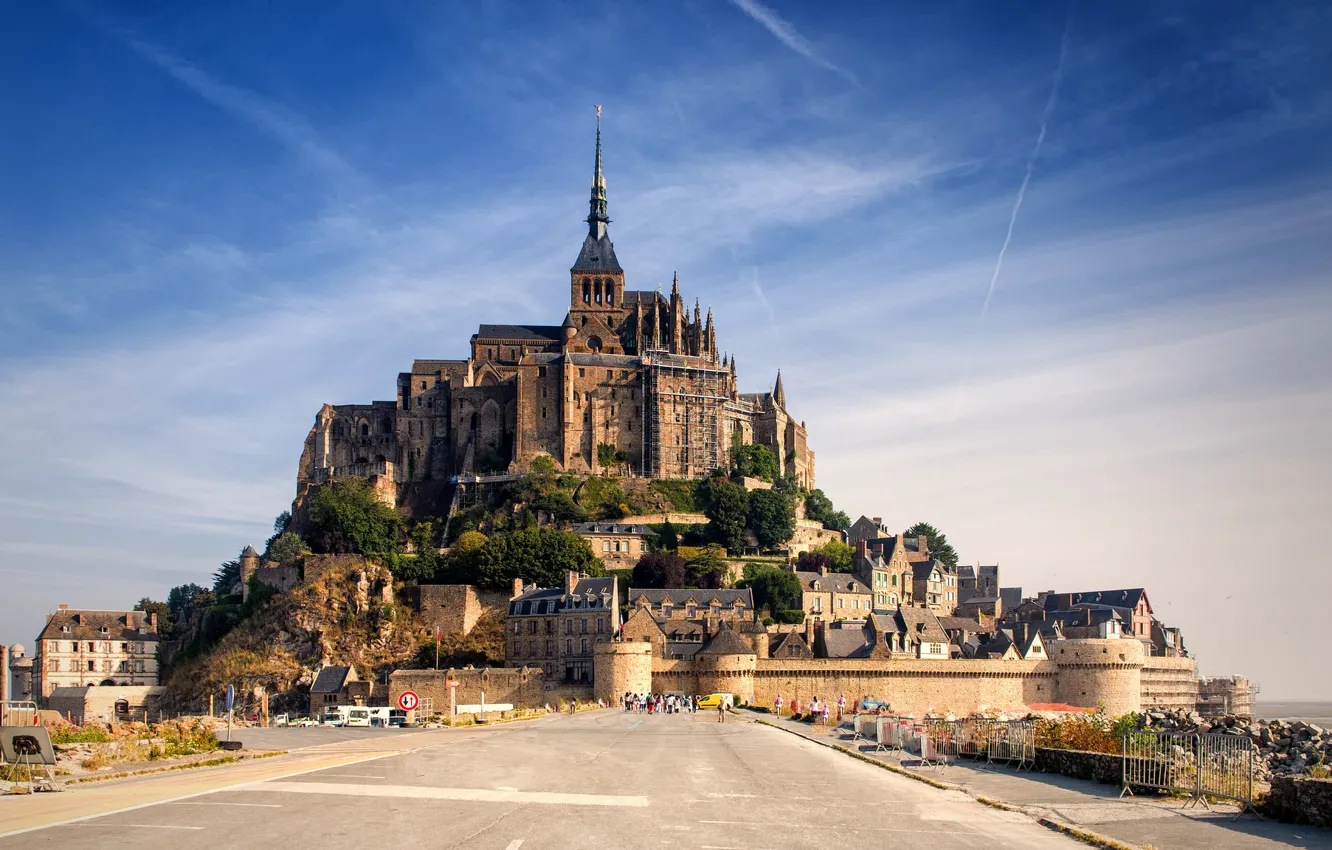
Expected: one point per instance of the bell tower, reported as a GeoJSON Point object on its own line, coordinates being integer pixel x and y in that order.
{"type": "Point", "coordinates": [596, 279]}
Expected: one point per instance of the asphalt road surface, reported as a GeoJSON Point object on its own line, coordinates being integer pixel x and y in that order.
{"type": "Point", "coordinates": [603, 779]}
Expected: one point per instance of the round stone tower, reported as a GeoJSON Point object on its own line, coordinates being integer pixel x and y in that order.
{"type": "Point", "coordinates": [726, 666]}
{"type": "Point", "coordinates": [249, 563]}
{"type": "Point", "coordinates": [621, 667]}
{"type": "Point", "coordinates": [1096, 672]}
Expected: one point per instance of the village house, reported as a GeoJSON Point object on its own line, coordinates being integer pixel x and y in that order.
{"type": "Point", "coordinates": [336, 685]}
{"type": "Point", "coordinates": [834, 596]}
{"type": "Point", "coordinates": [911, 632]}
{"type": "Point", "coordinates": [84, 647]}
{"type": "Point", "coordinates": [1132, 604]}
{"type": "Point", "coordinates": [990, 607]}
{"type": "Point", "coordinates": [866, 528]}
{"type": "Point", "coordinates": [618, 545]}
{"type": "Point", "coordinates": [555, 628]}
{"type": "Point", "coordinates": [889, 579]}
{"type": "Point", "coordinates": [934, 586]}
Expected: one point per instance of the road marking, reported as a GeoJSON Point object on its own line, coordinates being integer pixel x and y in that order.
{"type": "Point", "coordinates": [634, 726]}
{"type": "Point", "coordinates": [514, 844]}
{"type": "Point", "coordinates": [156, 826]}
{"type": "Point", "coordinates": [478, 795]}
{"type": "Point", "coordinates": [352, 776]}
{"type": "Point", "coordinates": [151, 780]}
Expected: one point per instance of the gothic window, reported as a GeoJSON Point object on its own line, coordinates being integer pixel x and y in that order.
{"type": "Point", "coordinates": [587, 291]}
{"type": "Point", "coordinates": [365, 429]}
{"type": "Point", "coordinates": [610, 292]}
{"type": "Point", "coordinates": [596, 291]}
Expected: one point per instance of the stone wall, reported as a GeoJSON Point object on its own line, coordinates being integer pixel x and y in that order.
{"type": "Point", "coordinates": [1098, 767]}
{"type": "Point", "coordinates": [280, 577]}
{"type": "Point", "coordinates": [521, 686]}
{"type": "Point", "coordinates": [1169, 683]}
{"type": "Point", "coordinates": [911, 686]}
{"type": "Point", "coordinates": [1301, 800]}
{"type": "Point", "coordinates": [1099, 673]}
{"type": "Point", "coordinates": [623, 667]}
{"type": "Point", "coordinates": [453, 608]}
{"type": "Point", "coordinates": [97, 703]}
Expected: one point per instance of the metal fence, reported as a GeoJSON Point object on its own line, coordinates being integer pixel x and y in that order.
{"type": "Point", "coordinates": [17, 712]}
{"type": "Point", "coordinates": [981, 738]}
{"type": "Point", "coordinates": [1201, 765]}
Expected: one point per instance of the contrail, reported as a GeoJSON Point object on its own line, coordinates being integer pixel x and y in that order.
{"type": "Point", "coordinates": [1022, 188]}
{"type": "Point", "coordinates": [1031, 163]}
{"type": "Point", "coordinates": [787, 34]}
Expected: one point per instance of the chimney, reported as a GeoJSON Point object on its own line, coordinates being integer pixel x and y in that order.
{"type": "Point", "coordinates": [4, 673]}
{"type": "Point", "coordinates": [152, 621]}
{"type": "Point", "coordinates": [517, 587]}
{"type": "Point", "coordinates": [823, 569]}
{"type": "Point", "coordinates": [862, 549]}
{"type": "Point", "coordinates": [570, 581]}
{"type": "Point", "coordinates": [877, 520]}
{"type": "Point", "coordinates": [923, 543]}
{"type": "Point", "coordinates": [809, 632]}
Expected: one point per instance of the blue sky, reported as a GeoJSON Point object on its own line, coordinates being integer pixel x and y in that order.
{"type": "Point", "coordinates": [216, 218]}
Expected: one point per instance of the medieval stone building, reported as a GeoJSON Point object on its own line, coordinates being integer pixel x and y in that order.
{"type": "Point", "coordinates": [630, 379]}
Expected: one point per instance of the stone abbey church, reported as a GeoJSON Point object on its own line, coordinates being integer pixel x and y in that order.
{"type": "Point", "coordinates": [628, 374]}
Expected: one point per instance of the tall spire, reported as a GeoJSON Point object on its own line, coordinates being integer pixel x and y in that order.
{"type": "Point", "coordinates": [597, 218]}
{"type": "Point", "coordinates": [778, 393]}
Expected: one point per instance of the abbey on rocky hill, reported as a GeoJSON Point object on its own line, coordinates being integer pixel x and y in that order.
{"type": "Point", "coordinates": [628, 381]}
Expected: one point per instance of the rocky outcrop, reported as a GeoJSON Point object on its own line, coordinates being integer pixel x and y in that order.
{"type": "Point", "coordinates": [1284, 748]}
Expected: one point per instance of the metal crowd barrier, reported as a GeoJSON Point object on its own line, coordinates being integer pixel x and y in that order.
{"type": "Point", "coordinates": [17, 712]}
{"type": "Point", "coordinates": [863, 727]}
{"type": "Point", "coordinates": [1203, 765]}
{"type": "Point", "coordinates": [983, 739]}
{"type": "Point", "coordinates": [1013, 742]}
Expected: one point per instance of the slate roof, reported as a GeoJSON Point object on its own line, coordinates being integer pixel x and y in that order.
{"type": "Point", "coordinates": [680, 595]}
{"type": "Point", "coordinates": [919, 622]}
{"type": "Point", "coordinates": [87, 625]}
{"type": "Point", "coordinates": [726, 642]}
{"type": "Point", "coordinates": [330, 680]}
{"type": "Point", "coordinates": [634, 296]}
{"type": "Point", "coordinates": [961, 624]}
{"type": "Point", "coordinates": [921, 569]}
{"type": "Point", "coordinates": [790, 642]}
{"type": "Point", "coordinates": [540, 333]}
{"type": "Point", "coordinates": [839, 582]}
{"type": "Point", "coordinates": [597, 255]}
{"type": "Point", "coordinates": [847, 643]}
{"type": "Point", "coordinates": [1127, 598]}
{"type": "Point", "coordinates": [588, 594]}
{"type": "Point", "coordinates": [612, 528]}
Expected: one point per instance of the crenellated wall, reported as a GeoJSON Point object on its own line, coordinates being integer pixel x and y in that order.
{"type": "Point", "coordinates": [1084, 673]}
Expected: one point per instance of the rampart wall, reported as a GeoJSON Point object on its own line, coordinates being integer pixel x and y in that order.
{"type": "Point", "coordinates": [453, 608]}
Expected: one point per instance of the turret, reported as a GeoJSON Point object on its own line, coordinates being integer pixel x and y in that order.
{"type": "Point", "coordinates": [249, 564]}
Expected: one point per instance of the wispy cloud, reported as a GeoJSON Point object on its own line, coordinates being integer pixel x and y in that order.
{"type": "Point", "coordinates": [787, 34]}
{"type": "Point", "coordinates": [263, 114]}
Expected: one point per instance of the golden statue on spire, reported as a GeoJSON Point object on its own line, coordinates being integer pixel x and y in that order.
{"type": "Point", "coordinates": [598, 110]}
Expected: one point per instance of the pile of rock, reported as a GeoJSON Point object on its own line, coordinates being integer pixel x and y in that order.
{"type": "Point", "coordinates": [1284, 748]}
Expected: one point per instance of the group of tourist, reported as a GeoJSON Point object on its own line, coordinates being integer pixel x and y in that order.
{"type": "Point", "coordinates": [658, 703]}
{"type": "Point", "coordinates": [821, 711]}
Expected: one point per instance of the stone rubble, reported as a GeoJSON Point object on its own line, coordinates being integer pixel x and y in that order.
{"type": "Point", "coordinates": [1283, 748]}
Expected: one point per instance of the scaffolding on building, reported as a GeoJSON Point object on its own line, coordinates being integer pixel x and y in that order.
{"type": "Point", "coordinates": [693, 390]}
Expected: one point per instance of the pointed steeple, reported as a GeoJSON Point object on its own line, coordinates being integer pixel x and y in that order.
{"type": "Point", "coordinates": [675, 284]}
{"type": "Point", "coordinates": [697, 319]}
{"type": "Point", "coordinates": [597, 217]}
{"type": "Point", "coordinates": [598, 253]}
{"type": "Point", "coordinates": [779, 394]}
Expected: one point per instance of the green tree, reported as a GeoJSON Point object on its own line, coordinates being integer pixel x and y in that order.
{"type": "Point", "coordinates": [835, 555]}
{"type": "Point", "coordinates": [561, 507]}
{"type": "Point", "coordinates": [186, 598]}
{"type": "Point", "coordinates": [706, 569]}
{"type": "Point", "coordinates": [287, 546]}
{"type": "Point", "coordinates": [537, 555]}
{"type": "Point", "coordinates": [755, 461]}
{"type": "Point", "coordinates": [939, 546]}
{"type": "Point", "coordinates": [771, 517]}
{"type": "Point", "coordinates": [819, 508]}
{"type": "Point", "coordinates": [347, 517]}
{"type": "Point", "coordinates": [775, 590]}
{"type": "Point", "coordinates": [226, 577]}
{"type": "Point", "coordinates": [163, 612]}
{"type": "Point", "coordinates": [728, 515]}
{"type": "Point", "coordinates": [667, 539]}
{"type": "Point", "coordinates": [660, 569]}
{"type": "Point", "coordinates": [542, 465]}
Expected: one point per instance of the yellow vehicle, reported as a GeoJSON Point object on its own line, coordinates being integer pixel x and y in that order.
{"type": "Point", "coordinates": [714, 700]}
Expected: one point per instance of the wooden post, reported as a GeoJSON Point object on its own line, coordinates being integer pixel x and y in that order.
{"type": "Point", "coordinates": [210, 706]}
{"type": "Point", "coordinates": [264, 708]}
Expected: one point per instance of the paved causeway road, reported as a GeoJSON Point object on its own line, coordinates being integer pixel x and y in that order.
{"type": "Point", "coordinates": [603, 779]}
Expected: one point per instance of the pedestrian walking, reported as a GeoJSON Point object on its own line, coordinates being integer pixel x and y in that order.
{"type": "Point", "coordinates": [721, 711]}
{"type": "Point", "coordinates": [841, 706]}
{"type": "Point", "coordinates": [777, 705]}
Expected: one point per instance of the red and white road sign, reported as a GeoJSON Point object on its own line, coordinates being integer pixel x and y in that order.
{"type": "Point", "coordinates": [408, 700]}
{"type": "Point", "coordinates": [453, 683]}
